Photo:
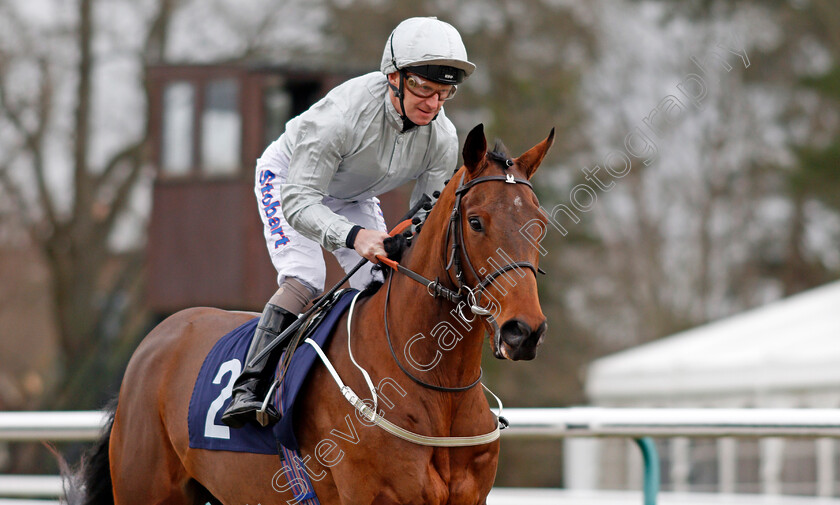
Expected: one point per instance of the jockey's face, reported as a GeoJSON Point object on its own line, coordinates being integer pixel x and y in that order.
{"type": "Point", "coordinates": [418, 109]}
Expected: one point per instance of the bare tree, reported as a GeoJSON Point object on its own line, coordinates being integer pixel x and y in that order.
{"type": "Point", "coordinates": [709, 220]}
{"type": "Point", "coordinates": [74, 153]}
{"type": "Point", "coordinates": [72, 224]}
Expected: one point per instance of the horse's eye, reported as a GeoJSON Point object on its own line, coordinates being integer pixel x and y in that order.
{"type": "Point", "coordinates": [475, 223]}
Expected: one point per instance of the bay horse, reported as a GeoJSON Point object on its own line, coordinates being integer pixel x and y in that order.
{"type": "Point", "coordinates": [420, 342]}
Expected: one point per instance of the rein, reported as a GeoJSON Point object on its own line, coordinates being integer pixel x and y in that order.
{"type": "Point", "coordinates": [434, 387]}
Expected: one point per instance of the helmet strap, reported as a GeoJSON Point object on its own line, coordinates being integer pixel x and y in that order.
{"type": "Point", "coordinates": [400, 92]}
{"type": "Point", "coordinates": [407, 123]}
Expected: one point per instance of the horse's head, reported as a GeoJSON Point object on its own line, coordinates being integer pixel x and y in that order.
{"type": "Point", "coordinates": [489, 251]}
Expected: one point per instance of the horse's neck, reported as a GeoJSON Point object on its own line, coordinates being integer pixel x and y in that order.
{"type": "Point", "coordinates": [426, 330]}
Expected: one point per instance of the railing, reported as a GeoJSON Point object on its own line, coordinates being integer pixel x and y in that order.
{"type": "Point", "coordinates": [51, 426]}
{"type": "Point", "coordinates": [639, 424]}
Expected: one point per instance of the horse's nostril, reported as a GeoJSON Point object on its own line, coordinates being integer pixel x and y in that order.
{"type": "Point", "coordinates": [540, 332]}
{"type": "Point", "coordinates": [515, 332]}
{"type": "Point", "coordinates": [537, 336]}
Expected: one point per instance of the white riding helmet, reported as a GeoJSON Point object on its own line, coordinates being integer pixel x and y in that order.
{"type": "Point", "coordinates": [429, 48]}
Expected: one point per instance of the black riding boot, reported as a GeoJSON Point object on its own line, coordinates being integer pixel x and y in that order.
{"type": "Point", "coordinates": [251, 386]}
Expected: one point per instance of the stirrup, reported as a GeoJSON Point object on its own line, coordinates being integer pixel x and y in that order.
{"type": "Point", "coordinates": [263, 417]}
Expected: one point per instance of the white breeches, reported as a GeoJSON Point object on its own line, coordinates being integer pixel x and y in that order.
{"type": "Point", "coordinates": [294, 255]}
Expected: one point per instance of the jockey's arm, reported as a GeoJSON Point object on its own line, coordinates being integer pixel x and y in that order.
{"type": "Point", "coordinates": [312, 167]}
{"type": "Point", "coordinates": [317, 154]}
{"type": "Point", "coordinates": [314, 162]}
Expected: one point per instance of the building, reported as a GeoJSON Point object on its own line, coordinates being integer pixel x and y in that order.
{"type": "Point", "coordinates": [784, 354]}
{"type": "Point", "coordinates": [209, 125]}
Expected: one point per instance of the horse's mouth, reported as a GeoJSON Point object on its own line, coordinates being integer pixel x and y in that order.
{"type": "Point", "coordinates": [519, 354]}
{"type": "Point", "coordinates": [502, 352]}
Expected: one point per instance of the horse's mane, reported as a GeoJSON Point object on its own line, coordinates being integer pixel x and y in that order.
{"type": "Point", "coordinates": [371, 288]}
{"type": "Point", "coordinates": [500, 155]}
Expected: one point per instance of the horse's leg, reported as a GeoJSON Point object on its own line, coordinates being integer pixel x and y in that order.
{"type": "Point", "coordinates": [144, 467]}
{"type": "Point", "coordinates": [150, 423]}
{"type": "Point", "coordinates": [233, 478]}
{"type": "Point", "coordinates": [236, 478]}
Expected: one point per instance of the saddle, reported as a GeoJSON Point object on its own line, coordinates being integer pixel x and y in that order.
{"type": "Point", "coordinates": [214, 384]}
{"type": "Point", "coordinates": [306, 330]}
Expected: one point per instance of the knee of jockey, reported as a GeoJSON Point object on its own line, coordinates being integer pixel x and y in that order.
{"type": "Point", "coordinates": [292, 295]}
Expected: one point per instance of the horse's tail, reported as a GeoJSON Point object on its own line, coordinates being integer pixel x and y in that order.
{"type": "Point", "coordinates": [90, 484]}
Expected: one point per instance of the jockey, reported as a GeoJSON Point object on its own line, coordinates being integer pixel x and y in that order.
{"type": "Point", "coordinates": [317, 184]}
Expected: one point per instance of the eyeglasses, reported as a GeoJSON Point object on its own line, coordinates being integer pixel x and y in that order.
{"type": "Point", "coordinates": [424, 89]}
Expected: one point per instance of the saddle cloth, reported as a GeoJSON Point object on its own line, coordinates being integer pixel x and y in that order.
{"type": "Point", "coordinates": [214, 386]}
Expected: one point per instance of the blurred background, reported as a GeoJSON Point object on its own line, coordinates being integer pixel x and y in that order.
{"type": "Point", "coordinates": [694, 177]}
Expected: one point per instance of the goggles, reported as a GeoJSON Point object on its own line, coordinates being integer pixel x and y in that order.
{"type": "Point", "coordinates": [422, 88]}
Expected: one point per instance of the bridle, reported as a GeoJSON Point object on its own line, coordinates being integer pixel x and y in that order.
{"type": "Point", "coordinates": [455, 232]}
{"type": "Point", "coordinates": [464, 293]}
{"type": "Point", "coordinates": [455, 235]}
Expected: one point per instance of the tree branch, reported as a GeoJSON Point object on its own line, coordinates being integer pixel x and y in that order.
{"type": "Point", "coordinates": [125, 154]}
{"type": "Point", "coordinates": [826, 15]}
{"type": "Point", "coordinates": [157, 38]}
{"type": "Point", "coordinates": [35, 141]}
{"type": "Point", "coordinates": [121, 197]}
{"type": "Point", "coordinates": [11, 189]}
{"type": "Point", "coordinates": [84, 70]}
{"type": "Point", "coordinates": [154, 50]}
{"type": "Point", "coordinates": [6, 107]}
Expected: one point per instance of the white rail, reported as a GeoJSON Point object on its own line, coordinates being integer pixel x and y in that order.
{"type": "Point", "coordinates": [31, 486]}
{"type": "Point", "coordinates": [635, 423]}
{"type": "Point", "coordinates": [554, 423]}
{"type": "Point", "coordinates": [51, 426]}
{"type": "Point", "coordinates": [560, 423]}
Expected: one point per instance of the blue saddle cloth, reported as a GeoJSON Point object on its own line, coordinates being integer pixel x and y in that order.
{"type": "Point", "coordinates": [214, 385]}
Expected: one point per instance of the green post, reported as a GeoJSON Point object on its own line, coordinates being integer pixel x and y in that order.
{"type": "Point", "coordinates": [651, 477]}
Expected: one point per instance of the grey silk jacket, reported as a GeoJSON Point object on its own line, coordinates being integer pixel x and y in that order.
{"type": "Point", "coordinates": [349, 146]}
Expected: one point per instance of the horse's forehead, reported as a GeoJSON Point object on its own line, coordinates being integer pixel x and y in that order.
{"type": "Point", "coordinates": [504, 192]}
{"type": "Point", "coordinates": [514, 202]}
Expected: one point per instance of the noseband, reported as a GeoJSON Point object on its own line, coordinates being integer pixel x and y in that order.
{"type": "Point", "coordinates": [455, 235]}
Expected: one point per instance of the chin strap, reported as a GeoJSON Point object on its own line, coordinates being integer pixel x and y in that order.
{"type": "Point", "coordinates": [400, 93]}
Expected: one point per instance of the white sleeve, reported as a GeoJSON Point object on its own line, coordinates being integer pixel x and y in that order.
{"type": "Point", "coordinates": [317, 152]}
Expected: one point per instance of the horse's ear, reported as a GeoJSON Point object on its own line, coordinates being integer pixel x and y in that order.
{"type": "Point", "coordinates": [530, 160]}
{"type": "Point", "coordinates": [475, 147]}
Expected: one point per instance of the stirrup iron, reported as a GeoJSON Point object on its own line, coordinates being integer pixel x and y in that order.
{"type": "Point", "coordinates": [262, 416]}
